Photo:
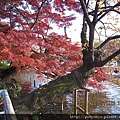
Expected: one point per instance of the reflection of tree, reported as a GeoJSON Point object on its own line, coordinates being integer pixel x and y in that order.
{"type": "Point", "coordinates": [98, 104]}
{"type": "Point", "coordinates": [55, 107]}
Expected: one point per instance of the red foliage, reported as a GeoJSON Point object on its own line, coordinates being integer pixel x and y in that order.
{"type": "Point", "coordinates": [26, 42]}
{"type": "Point", "coordinates": [69, 4]}
{"type": "Point", "coordinates": [26, 39]}
{"type": "Point", "coordinates": [27, 88]}
{"type": "Point", "coordinates": [58, 2]}
{"type": "Point", "coordinates": [96, 84]}
{"type": "Point", "coordinates": [97, 77]}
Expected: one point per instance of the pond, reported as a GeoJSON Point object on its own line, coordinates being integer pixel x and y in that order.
{"type": "Point", "coordinates": [100, 102]}
{"type": "Point", "coordinates": [105, 101]}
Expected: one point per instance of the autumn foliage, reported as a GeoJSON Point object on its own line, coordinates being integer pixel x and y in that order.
{"type": "Point", "coordinates": [97, 77]}
{"type": "Point", "coordinates": [28, 42]}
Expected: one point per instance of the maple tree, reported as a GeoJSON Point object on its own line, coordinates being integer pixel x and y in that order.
{"type": "Point", "coordinates": [27, 41]}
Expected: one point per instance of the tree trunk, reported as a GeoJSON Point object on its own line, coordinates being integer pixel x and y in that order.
{"type": "Point", "coordinates": [48, 92]}
{"type": "Point", "coordinates": [8, 73]}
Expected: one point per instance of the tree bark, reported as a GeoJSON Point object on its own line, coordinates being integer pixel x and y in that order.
{"type": "Point", "coordinates": [48, 92]}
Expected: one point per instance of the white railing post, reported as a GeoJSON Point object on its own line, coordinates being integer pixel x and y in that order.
{"type": "Point", "coordinates": [8, 108]}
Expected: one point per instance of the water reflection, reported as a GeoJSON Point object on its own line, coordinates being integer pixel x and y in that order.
{"type": "Point", "coordinates": [29, 81]}
{"type": "Point", "coordinates": [100, 102]}
{"type": "Point", "coordinates": [106, 101]}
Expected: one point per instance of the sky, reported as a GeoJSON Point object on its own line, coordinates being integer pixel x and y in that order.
{"type": "Point", "coordinates": [72, 31]}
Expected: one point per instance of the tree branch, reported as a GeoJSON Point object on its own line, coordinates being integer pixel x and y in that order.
{"type": "Point", "coordinates": [37, 16]}
{"type": "Point", "coordinates": [85, 12]}
{"type": "Point", "coordinates": [96, 11]}
{"type": "Point", "coordinates": [22, 15]}
{"type": "Point", "coordinates": [104, 28]}
{"type": "Point", "coordinates": [98, 34]}
{"type": "Point", "coordinates": [107, 11]}
{"type": "Point", "coordinates": [107, 40]}
{"type": "Point", "coordinates": [104, 10]}
{"type": "Point", "coordinates": [84, 33]}
{"type": "Point", "coordinates": [87, 3]}
{"type": "Point", "coordinates": [116, 11]}
{"type": "Point", "coordinates": [100, 64]}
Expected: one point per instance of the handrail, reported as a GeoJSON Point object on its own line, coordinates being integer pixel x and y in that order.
{"type": "Point", "coordinates": [85, 110]}
{"type": "Point", "coordinates": [8, 108]}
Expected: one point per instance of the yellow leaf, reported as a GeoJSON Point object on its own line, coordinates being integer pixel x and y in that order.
{"type": "Point", "coordinates": [85, 44]}
{"type": "Point", "coordinates": [92, 2]}
{"type": "Point", "coordinates": [102, 0]}
{"type": "Point", "coordinates": [117, 28]}
{"type": "Point", "coordinates": [100, 10]}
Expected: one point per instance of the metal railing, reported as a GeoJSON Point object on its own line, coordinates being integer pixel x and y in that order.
{"type": "Point", "coordinates": [9, 113]}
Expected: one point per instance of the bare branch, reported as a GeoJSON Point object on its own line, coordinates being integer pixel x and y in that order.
{"type": "Point", "coordinates": [65, 31]}
{"type": "Point", "coordinates": [107, 40]}
{"type": "Point", "coordinates": [98, 34]}
{"type": "Point", "coordinates": [85, 12]}
{"type": "Point", "coordinates": [104, 29]}
{"type": "Point", "coordinates": [96, 11]}
{"type": "Point", "coordinates": [87, 3]}
{"type": "Point", "coordinates": [83, 32]}
{"type": "Point", "coordinates": [107, 11]}
{"type": "Point", "coordinates": [116, 11]}
{"type": "Point", "coordinates": [37, 16]}
{"type": "Point", "coordinates": [100, 64]}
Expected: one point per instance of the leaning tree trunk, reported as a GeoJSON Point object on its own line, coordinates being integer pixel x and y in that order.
{"type": "Point", "coordinates": [48, 92]}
